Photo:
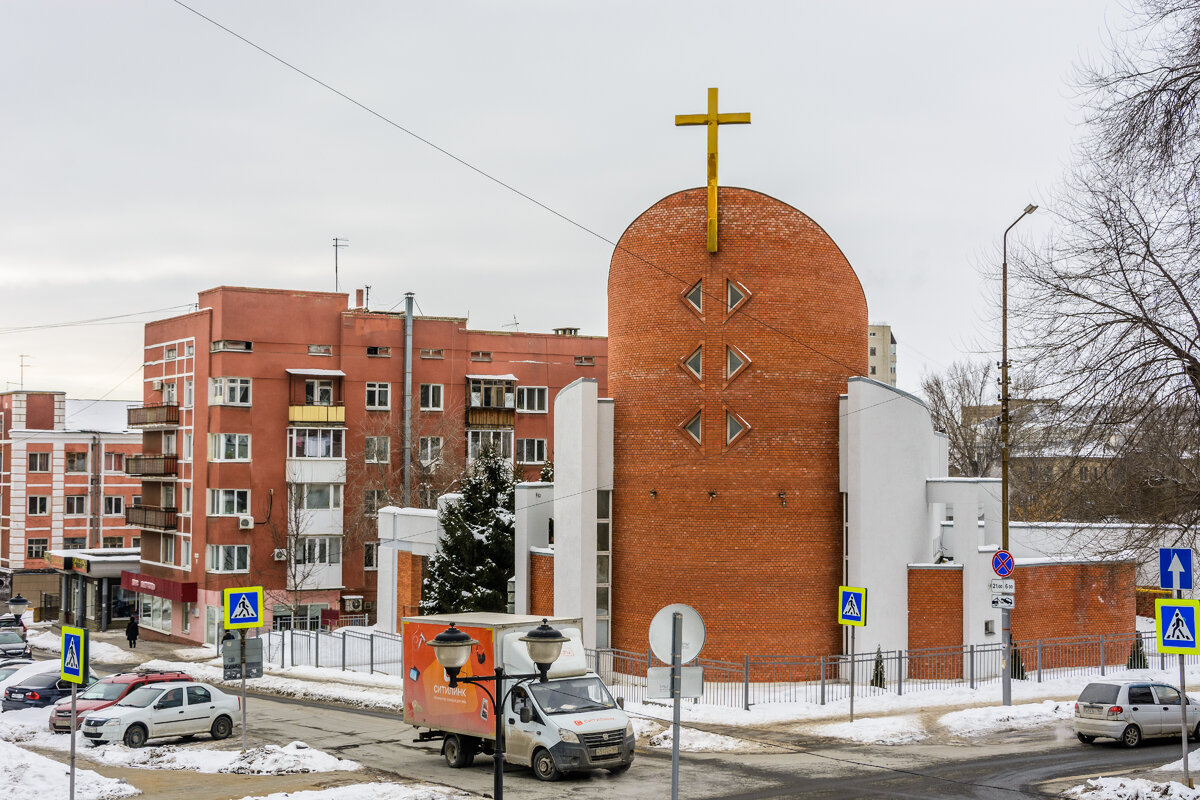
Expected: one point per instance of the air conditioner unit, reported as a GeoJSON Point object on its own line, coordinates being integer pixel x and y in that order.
{"type": "Point", "coordinates": [156, 386]}
{"type": "Point", "coordinates": [245, 523]}
{"type": "Point", "coordinates": [353, 603]}
{"type": "Point", "coordinates": [280, 554]}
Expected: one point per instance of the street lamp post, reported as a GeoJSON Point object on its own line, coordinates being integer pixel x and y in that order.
{"type": "Point", "coordinates": [1005, 621]}
{"type": "Point", "coordinates": [452, 648]}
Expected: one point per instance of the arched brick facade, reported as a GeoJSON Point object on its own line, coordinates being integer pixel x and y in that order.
{"type": "Point", "coordinates": [762, 574]}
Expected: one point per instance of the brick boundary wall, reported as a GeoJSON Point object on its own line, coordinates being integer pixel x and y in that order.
{"type": "Point", "coordinates": [409, 575]}
{"type": "Point", "coordinates": [935, 620]}
{"type": "Point", "coordinates": [541, 584]}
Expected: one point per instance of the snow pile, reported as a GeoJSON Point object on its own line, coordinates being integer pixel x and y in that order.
{"type": "Point", "coordinates": [31, 726]}
{"type": "Point", "coordinates": [1177, 764]}
{"type": "Point", "coordinates": [694, 741]}
{"type": "Point", "coordinates": [99, 652]}
{"type": "Point", "coordinates": [990, 719]}
{"type": "Point", "coordinates": [375, 791]}
{"type": "Point", "coordinates": [874, 730]}
{"type": "Point", "coordinates": [265, 760]}
{"type": "Point", "coordinates": [1131, 789]}
{"type": "Point", "coordinates": [39, 776]}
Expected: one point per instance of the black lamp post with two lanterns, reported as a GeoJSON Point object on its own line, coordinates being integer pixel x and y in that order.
{"type": "Point", "coordinates": [452, 648]}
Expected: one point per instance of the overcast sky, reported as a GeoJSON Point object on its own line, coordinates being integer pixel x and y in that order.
{"type": "Point", "coordinates": [148, 154]}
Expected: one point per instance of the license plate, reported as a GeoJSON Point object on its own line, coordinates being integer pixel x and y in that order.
{"type": "Point", "coordinates": [18, 695]}
{"type": "Point", "coordinates": [608, 751]}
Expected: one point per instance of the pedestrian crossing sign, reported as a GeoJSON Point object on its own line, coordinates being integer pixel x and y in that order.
{"type": "Point", "coordinates": [852, 605]}
{"type": "Point", "coordinates": [73, 666]}
{"type": "Point", "coordinates": [243, 607]}
{"type": "Point", "coordinates": [1175, 621]}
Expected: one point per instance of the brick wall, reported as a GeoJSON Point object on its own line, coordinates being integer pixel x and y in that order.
{"type": "Point", "coordinates": [410, 570]}
{"type": "Point", "coordinates": [541, 584]}
{"type": "Point", "coordinates": [935, 620]}
{"type": "Point", "coordinates": [1146, 595]}
{"type": "Point", "coordinates": [755, 568]}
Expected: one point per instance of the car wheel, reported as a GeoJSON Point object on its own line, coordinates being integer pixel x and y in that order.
{"type": "Point", "coordinates": [221, 728]}
{"type": "Point", "coordinates": [135, 736]}
{"type": "Point", "coordinates": [544, 768]}
{"type": "Point", "coordinates": [1085, 738]}
{"type": "Point", "coordinates": [458, 751]}
{"type": "Point", "coordinates": [1131, 736]}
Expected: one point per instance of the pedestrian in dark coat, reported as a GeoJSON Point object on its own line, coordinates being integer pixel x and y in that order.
{"type": "Point", "coordinates": [131, 632]}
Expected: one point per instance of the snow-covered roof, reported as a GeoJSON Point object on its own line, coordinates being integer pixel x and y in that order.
{"type": "Point", "coordinates": [331, 373]}
{"type": "Point", "coordinates": [102, 416]}
{"type": "Point", "coordinates": [494, 377]}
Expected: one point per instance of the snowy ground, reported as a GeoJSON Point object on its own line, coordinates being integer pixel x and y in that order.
{"type": "Point", "coordinates": [1131, 789]}
{"type": "Point", "coordinates": [38, 776]}
{"type": "Point", "coordinates": [375, 791]}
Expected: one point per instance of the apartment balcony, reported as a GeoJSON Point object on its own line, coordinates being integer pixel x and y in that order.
{"type": "Point", "coordinates": [152, 466]}
{"type": "Point", "coordinates": [152, 517]}
{"type": "Point", "coordinates": [317, 415]}
{"type": "Point", "coordinates": [154, 416]}
{"type": "Point", "coordinates": [491, 417]}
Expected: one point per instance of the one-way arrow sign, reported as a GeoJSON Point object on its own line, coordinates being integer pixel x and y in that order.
{"type": "Point", "coordinates": [1175, 568]}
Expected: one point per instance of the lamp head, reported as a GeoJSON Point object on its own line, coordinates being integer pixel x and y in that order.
{"type": "Point", "coordinates": [17, 605]}
{"type": "Point", "coordinates": [544, 644]}
{"type": "Point", "coordinates": [452, 648]}
{"type": "Point", "coordinates": [1029, 209]}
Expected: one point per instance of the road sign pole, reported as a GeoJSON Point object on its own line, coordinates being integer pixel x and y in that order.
{"type": "Point", "coordinates": [852, 674]}
{"type": "Point", "coordinates": [73, 724]}
{"type": "Point", "coordinates": [1006, 678]}
{"type": "Point", "coordinates": [1183, 702]}
{"type": "Point", "coordinates": [243, 632]}
{"type": "Point", "coordinates": [676, 671]}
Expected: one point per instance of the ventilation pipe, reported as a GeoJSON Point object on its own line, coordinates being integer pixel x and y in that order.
{"type": "Point", "coordinates": [408, 356]}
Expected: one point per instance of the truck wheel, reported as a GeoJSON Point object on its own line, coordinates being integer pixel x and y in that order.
{"type": "Point", "coordinates": [458, 751]}
{"type": "Point", "coordinates": [135, 736]}
{"type": "Point", "coordinates": [543, 766]}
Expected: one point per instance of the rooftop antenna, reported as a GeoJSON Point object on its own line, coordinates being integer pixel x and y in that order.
{"type": "Point", "coordinates": [367, 300]}
{"type": "Point", "coordinates": [23, 356]}
{"type": "Point", "coordinates": [514, 324]}
{"type": "Point", "coordinates": [337, 244]}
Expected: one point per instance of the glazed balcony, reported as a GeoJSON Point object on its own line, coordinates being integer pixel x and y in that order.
{"type": "Point", "coordinates": [162, 415]}
{"type": "Point", "coordinates": [152, 517]}
{"type": "Point", "coordinates": [152, 466]}
{"type": "Point", "coordinates": [317, 415]}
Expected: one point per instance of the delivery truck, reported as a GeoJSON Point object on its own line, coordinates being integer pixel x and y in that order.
{"type": "Point", "coordinates": [567, 724]}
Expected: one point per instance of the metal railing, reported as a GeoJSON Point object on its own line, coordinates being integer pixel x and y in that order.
{"type": "Point", "coordinates": [166, 414]}
{"type": "Point", "coordinates": [163, 519]}
{"type": "Point", "coordinates": [826, 679]}
{"type": "Point", "coordinates": [343, 649]}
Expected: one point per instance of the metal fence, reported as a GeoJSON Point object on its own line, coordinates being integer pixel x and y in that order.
{"type": "Point", "coordinates": [825, 679]}
{"type": "Point", "coordinates": [346, 649]}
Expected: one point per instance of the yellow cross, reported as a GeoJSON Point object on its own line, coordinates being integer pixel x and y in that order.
{"type": "Point", "coordinates": [712, 119]}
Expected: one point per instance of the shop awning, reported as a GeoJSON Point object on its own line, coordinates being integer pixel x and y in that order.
{"type": "Point", "coordinates": [166, 588]}
{"type": "Point", "coordinates": [494, 377]}
{"type": "Point", "coordinates": [321, 373]}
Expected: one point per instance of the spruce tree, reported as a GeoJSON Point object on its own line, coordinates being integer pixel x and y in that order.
{"type": "Point", "coordinates": [878, 677]}
{"type": "Point", "coordinates": [474, 561]}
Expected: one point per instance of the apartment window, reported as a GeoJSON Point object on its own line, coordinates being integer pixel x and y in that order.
{"type": "Point", "coordinates": [170, 354]}
{"type": "Point", "coordinates": [371, 555]}
{"type": "Point", "coordinates": [603, 565]}
{"type": "Point", "coordinates": [374, 351]}
{"type": "Point", "coordinates": [531, 451]}
{"type": "Point", "coordinates": [114, 462]}
{"type": "Point", "coordinates": [317, 496]}
{"type": "Point", "coordinates": [189, 393]}
{"type": "Point", "coordinates": [110, 542]}
{"type": "Point", "coordinates": [39, 462]}
{"type": "Point", "coordinates": [431, 397]}
{"type": "Point", "coordinates": [429, 449]}
{"type": "Point", "coordinates": [229, 446]}
{"type": "Point", "coordinates": [232, 345]}
{"type": "Point", "coordinates": [114, 505]}
{"type": "Point", "coordinates": [318, 393]}
{"type": "Point", "coordinates": [318, 550]}
{"type": "Point", "coordinates": [36, 548]}
{"type": "Point", "coordinates": [135, 500]}
{"type": "Point", "coordinates": [481, 355]}
{"type": "Point", "coordinates": [872, 370]}
{"type": "Point", "coordinates": [585, 361]}
{"type": "Point", "coordinates": [373, 500]}
{"type": "Point", "coordinates": [228, 502]}
{"type": "Point", "coordinates": [379, 395]}
{"type": "Point", "coordinates": [74, 542]}
{"type": "Point", "coordinates": [320, 349]}
{"type": "Point", "coordinates": [185, 506]}
{"type": "Point", "coordinates": [168, 443]}
{"type": "Point", "coordinates": [872, 351]}
{"type": "Point", "coordinates": [377, 449]}
{"type": "Point", "coordinates": [76, 505]}
{"type": "Point", "coordinates": [187, 447]}
{"type": "Point", "coordinates": [76, 462]}
{"type": "Point", "coordinates": [167, 549]}
{"type": "Point", "coordinates": [185, 560]}
{"type": "Point", "coordinates": [230, 391]}
{"type": "Point", "coordinates": [491, 393]}
{"type": "Point", "coordinates": [531, 399]}
{"type": "Point", "coordinates": [501, 441]}
{"type": "Point", "coordinates": [229, 558]}
{"type": "Point", "coordinates": [189, 350]}
{"type": "Point", "coordinates": [315, 443]}
{"type": "Point", "coordinates": [432, 352]}
{"type": "Point", "coordinates": [167, 495]}
{"type": "Point", "coordinates": [426, 496]}
{"type": "Point", "coordinates": [39, 505]}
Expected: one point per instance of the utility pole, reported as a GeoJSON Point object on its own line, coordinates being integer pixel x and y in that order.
{"type": "Point", "coordinates": [337, 245]}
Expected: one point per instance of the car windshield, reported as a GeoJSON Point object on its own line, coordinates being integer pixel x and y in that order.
{"type": "Point", "coordinates": [572, 696]}
{"type": "Point", "coordinates": [140, 698]}
{"type": "Point", "coordinates": [103, 691]}
{"type": "Point", "coordinates": [1100, 693]}
{"type": "Point", "coordinates": [11, 637]}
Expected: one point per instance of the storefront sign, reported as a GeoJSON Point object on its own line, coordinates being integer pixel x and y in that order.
{"type": "Point", "coordinates": [165, 588]}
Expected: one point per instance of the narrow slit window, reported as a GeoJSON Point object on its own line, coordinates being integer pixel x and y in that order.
{"type": "Point", "coordinates": [693, 427]}
{"type": "Point", "coordinates": [734, 295]}
{"type": "Point", "coordinates": [695, 362]}
{"type": "Point", "coordinates": [695, 296]}
{"type": "Point", "coordinates": [734, 361]}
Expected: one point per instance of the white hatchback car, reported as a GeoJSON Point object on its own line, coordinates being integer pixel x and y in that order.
{"type": "Point", "coordinates": [1132, 710]}
{"type": "Point", "coordinates": [164, 709]}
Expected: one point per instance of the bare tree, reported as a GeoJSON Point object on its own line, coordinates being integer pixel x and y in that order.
{"type": "Point", "coordinates": [289, 540]}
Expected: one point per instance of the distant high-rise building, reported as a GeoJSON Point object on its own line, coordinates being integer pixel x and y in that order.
{"type": "Point", "coordinates": [881, 353]}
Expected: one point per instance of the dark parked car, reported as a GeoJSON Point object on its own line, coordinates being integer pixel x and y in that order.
{"type": "Point", "coordinates": [38, 691]}
{"type": "Point", "coordinates": [13, 644]}
{"type": "Point", "coordinates": [103, 693]}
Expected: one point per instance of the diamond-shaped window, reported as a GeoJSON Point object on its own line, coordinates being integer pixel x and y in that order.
{"type": "Point", "coordinates": [695, 363]}
{"type": "Point", "coordinates": [735, 295]}
{"type": "Point", "coordinates": [735, 361]}
{"type": "Point", "coordinates": [695, 296]}
{"type": "Point", "coordinates": [693, 427]}
{"type": "Point", "coordinates": [735, 427]}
